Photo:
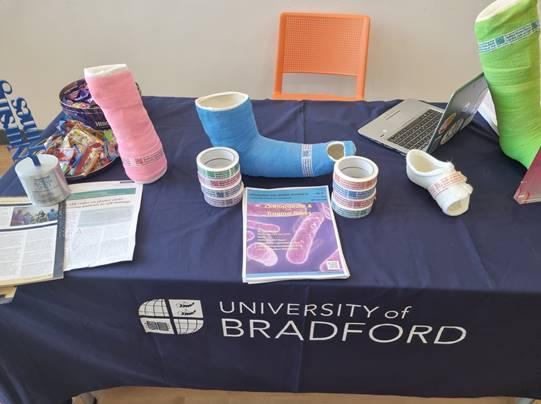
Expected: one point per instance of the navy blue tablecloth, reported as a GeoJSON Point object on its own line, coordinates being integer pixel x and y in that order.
{"type": "Point", "coordinates": [435, 305]}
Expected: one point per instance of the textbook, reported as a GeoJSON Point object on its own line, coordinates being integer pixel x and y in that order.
{"type": "Point", "coordinates": [290, 233]}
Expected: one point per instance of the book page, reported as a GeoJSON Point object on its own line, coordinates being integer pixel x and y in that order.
{"type": "Point", "coordinates": [28, 242]}
{"type": "Point", "coordinates": [101, 223]}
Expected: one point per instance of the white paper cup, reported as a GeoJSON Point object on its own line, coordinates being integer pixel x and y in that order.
{"type": "Point", "coordinates": [45, 185]}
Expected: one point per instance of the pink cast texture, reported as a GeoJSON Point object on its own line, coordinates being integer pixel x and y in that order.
{"type": "Point", "coordinates": [139, 146]}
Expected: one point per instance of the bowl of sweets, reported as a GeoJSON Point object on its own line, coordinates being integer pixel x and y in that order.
{"type": "Point", "coordinates": [82, 151]}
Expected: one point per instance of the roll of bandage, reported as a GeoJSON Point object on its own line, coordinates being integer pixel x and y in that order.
{"type": "Point", "coordinates": [356, 173]}
{"type": "Point", "coordinates": [350, 213]}
{"type": "Point", "coordinates": [42, 180]}
{"type": "Point", "coordinates": [354, 203]}
{"type": "Point", "coordinates": [354, 186]}
{"type": "Point", "coordinates": [218, 163]}
{"type": "Point", "coordinates": [222, 193]}
{"type": "Point", "coordinates": [218, 171]}
{"type": "Point", "coordinates": [355, 195]}
{"type": "Point", "coordinates": [225, 183]}
{"type": "Point", "coordinates": [225, 202]}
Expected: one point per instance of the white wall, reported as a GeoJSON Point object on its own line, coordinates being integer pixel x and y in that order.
{"type": "Point", "coordinates": [418, 48]}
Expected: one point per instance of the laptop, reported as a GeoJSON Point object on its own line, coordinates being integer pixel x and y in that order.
{"type": "Point", "coordinates": [413, 124]}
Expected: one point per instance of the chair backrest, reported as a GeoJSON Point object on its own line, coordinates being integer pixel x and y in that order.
{"type": "Point", "coordinates": [324, 44]}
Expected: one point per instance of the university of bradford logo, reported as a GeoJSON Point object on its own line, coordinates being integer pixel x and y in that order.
{"type": "Point", "coordinates": [159, 315]}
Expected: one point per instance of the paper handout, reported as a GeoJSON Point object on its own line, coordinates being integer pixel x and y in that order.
{"type": "Point", "coordinates": [31, 241]}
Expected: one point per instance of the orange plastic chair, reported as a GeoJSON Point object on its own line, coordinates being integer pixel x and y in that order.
{"type": "Point", "coordinates": [325, 44]}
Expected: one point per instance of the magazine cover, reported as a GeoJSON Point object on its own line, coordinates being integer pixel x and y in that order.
{"type": "Point", "coordinates": [290, 233]}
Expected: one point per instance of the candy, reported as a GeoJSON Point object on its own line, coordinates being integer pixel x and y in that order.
{"type": "Point", "coordinates": [79, 97]}
{"type": "Point", "coordinates": [80, 149]}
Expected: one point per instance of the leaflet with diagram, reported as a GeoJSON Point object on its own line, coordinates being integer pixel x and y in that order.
{"type": "Point", "coordinates": [31, 242]}
{"type": "Point", "coordinates": [101, 223]}
{"type": "Point", "coordinates": [290, 233]}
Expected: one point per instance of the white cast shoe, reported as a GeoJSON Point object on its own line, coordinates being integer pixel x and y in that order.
{"type": "Point", "coordinates": [446, 185]}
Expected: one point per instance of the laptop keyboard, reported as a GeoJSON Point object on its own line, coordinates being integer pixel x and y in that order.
{"type": "Point", "coordinates": [417, 134]}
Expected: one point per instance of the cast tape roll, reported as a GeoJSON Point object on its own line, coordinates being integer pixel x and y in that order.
{"type": "Point", "coordinates": [355, 195]}
{"type": "Point", "coordinates": [222, 193]}
{"type": "Point", "coordinates": [225, 203]}
{"type": "Point", "coordinates": [353, 204]}
{"type": "Point", "coordinates": [356, 173]}
{"type": "Point", "coordinates": [350, 213]}
{"type": "Point", "coordinates": [218, 163]}
{"type": "Point", "coordinates": [226, 183]}
{"type": "Point", "coordinates": [45, 185]}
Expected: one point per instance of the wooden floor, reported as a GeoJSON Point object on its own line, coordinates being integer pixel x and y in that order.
{"type": "Point", "coordinates": [146, 395]}
{"type": "Point", "coordinates": [5, 160]}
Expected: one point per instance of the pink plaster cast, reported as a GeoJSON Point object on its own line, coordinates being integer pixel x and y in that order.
{"type": "Point", "coordinates": [114, 90]}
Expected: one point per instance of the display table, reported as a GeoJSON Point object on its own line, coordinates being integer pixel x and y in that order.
{"type": "Point", "coordinates": [435, 306]}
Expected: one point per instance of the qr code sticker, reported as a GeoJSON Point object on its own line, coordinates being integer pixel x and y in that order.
{"type": "Point", "coordinates": [333, 265]}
